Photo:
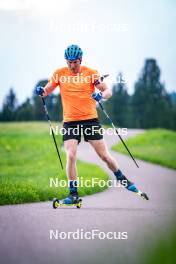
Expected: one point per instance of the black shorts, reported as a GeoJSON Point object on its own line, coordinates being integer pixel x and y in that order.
{"type": "Point", "coordinates": [90, 129]}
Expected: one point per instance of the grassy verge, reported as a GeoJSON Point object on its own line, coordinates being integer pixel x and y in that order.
{"type": "Point", "coordinates": [163, 250]}
{"type": "Point", "coordinates": [155, 145]}
{"type": "Point", "coordinates": [29, 160]}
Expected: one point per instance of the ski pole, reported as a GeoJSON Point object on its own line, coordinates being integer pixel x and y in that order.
{"type": "Point", "coordinates": [112, 124]}
{"type": "Point", "coordinates": [48, 118]}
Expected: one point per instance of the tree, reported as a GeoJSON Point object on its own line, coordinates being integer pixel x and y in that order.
{"type": "Point", "coordinates": [25, 111]}
{"type": "Point", "coordinates": [54, 106]}
{"type": "Point", "coordinates": [118, 105]}
{"type": "Point", "coordinates": [151, 103]}
{"type": "Point", "coordinates": [37, 104]}
{"type": "Point", "coordinates": [53, 103]}
{"type": "Point", "coordinates": [9, 107]}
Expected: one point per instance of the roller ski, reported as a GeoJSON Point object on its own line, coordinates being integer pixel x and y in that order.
{"type": "Point", "coordinates": [73, 201]}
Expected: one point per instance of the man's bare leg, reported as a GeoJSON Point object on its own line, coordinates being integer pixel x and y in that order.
{"type": "Point", "coordinates": [102, 151]}
{"type": "Point", "coordinates": [71, 151]}
{"type": "Point", "coordinates": [71, 170]}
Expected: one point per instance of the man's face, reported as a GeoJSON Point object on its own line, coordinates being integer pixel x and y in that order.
{"type": "Point", "coordinates": [74, 65]}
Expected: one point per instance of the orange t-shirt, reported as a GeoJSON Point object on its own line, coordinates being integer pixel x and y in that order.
{"type": "Point", "coordinates": [76, 91]}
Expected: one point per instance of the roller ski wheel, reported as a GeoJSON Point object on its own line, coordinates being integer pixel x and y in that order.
{"type": "Point", "coordinates": [143, 195]}
{"type": "Point", "coordinates": [57, 203]}
{"type": "Point", "coordinates": [78, 205]}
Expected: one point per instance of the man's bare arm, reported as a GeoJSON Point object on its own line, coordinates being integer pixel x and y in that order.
{"type": "Point", "coordinates": [48, 89]}
{"type": "Point", "coordinates": [106, 92]}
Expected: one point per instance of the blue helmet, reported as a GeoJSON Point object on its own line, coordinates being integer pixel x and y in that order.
{"type": "Point", "coordinates": [73, 52]}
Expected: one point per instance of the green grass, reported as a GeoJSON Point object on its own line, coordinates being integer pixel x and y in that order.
{"type": "Point", "coordinates": [155, 145]}
{"type": "Point", "coordinates": [28, 160]}
{"type": "Point", "coordinates": [163, 250]}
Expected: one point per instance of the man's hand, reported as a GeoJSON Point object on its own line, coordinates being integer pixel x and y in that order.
{"type": "Point", "coordinates": [106, 92]}
{"type": "Point", "coordinates": [97, 96]}
{"type": "Point", "coordinates": [39, 90]}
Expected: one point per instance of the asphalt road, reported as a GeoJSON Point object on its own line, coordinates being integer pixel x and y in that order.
{"type": "Point", "coordinates": [25, 229]}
